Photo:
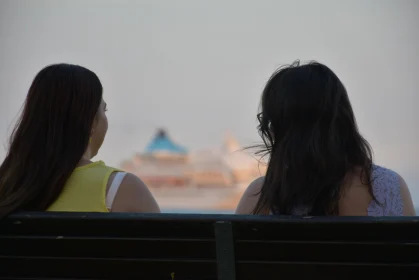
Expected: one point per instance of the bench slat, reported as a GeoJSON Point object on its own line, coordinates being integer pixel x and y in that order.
{"type": "Point", "coordinates": [324, 271]}
{"type": "Point", "coordinates": [107, 268]}
{"type": "Point", "coordinates": [350, 231]}
{"type": "Point", "coordinates": [327, 251]}
{"type": "Point", "coordinates": [132, 248]}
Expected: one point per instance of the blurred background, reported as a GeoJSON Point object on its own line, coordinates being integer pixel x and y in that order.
{"type": "Point", "coordinates": [182, 80]}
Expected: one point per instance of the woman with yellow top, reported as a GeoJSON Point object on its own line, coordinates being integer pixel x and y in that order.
{"type": "Point", "coordinates": [48, 166]}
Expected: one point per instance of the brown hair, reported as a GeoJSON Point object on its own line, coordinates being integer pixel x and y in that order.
{"type": "Point", "coordinates": [311, 137]}
{"type": "Point", "coordinates": [50, 137]}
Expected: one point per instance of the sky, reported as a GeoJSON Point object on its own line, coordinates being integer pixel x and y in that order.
{"type": "Point", "coordinates": [197, 67]}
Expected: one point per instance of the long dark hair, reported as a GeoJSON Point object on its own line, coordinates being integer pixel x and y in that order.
{"type": "Point", "coordinates": [50, 137]}
{"type": "Point", "coordinates": [312, 140]}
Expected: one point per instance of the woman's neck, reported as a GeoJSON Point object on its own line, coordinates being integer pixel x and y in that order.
{"type": "Point", "coordinates": [84, 160]}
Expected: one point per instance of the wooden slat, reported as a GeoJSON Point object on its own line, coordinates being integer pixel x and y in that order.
{"type": "Point", "coordinates": [327, 251]}
{"type": "Point", "coordinates": [79, 226]}
{"type": "Point", "coordinates": [105, 247]}
{"type": "Point", "coordinates": [42, 278]}
{"type": "Point", "coordinates": [200, 226]}
{"type": "Point", "coordinates": [305, 230]}
{"type": "Point", "coordinates": [106, 268]}
{"type": "Point", "coordinates": [324, 271]}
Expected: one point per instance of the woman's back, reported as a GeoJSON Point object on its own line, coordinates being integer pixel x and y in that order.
{"type": "Point", "coordinates": [85, 190]}
{"type": "Point", "coordinates": [389, 189]}
{"type": "Point", "coordinates": [386, 187]}
{"type": "Point", "coordinates": [392, 197]}
{"type": "Point", "coordinates": [96, 187]}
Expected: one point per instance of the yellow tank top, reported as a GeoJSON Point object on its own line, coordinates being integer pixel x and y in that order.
{"type": "Point", "coordinates": [85, 190]}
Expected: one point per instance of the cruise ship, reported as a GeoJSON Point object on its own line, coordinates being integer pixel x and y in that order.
{"type": "Point", "coordinates": [205, 180]}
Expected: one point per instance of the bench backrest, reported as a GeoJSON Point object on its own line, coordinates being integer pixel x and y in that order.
{"type": "Point", "coordinates": [198, 247]}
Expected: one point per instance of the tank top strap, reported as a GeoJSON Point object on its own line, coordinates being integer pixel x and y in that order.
{"type": "Point", "coordinates": [113, 189]}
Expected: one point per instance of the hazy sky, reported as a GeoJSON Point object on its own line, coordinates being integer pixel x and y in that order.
{"type": "Point", "coordinates": [198, 67]}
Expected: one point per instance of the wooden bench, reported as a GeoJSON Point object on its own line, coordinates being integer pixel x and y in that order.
{"type": "Point", "coordinates": [198, 247]}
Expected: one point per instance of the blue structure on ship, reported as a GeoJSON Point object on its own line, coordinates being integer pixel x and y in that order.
{"type": "Point", "coordinates": [163, 144]}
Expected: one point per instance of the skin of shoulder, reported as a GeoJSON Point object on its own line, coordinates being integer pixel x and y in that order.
{"type": "Point", "coordinates": [134, 196]}
{"type": "Point", "coordinates": [250, 197]}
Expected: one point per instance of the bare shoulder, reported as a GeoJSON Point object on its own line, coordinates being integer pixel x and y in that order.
{"type": "Point", "coordinates": [134, 196]}
{"type": "Point", "coordinates": [255, 187]}
{"type": "Point", "coordinates": [132, 181]}
{"type": "Point", "coordinates": [250, 197]}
